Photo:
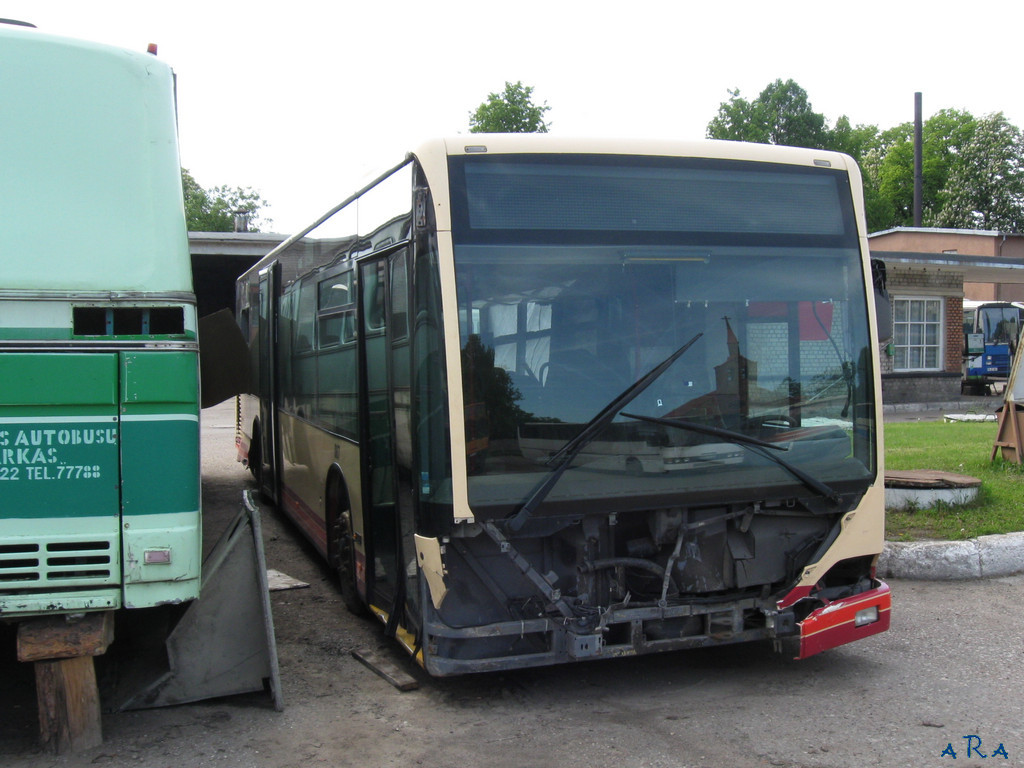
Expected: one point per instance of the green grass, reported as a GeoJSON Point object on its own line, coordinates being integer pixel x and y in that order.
{"type": "Point", "coordinates": [965, 448]}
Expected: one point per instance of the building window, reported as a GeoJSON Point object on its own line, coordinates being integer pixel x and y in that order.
{"type": "Point", "coordinates": [917, 334]}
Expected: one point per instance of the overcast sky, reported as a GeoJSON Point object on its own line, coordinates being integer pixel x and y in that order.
{"type": "Point", "coordinates": [304, 101]}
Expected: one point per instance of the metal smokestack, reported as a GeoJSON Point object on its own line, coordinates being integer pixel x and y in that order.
{"type": "Point", "coordinates": [918, 172]}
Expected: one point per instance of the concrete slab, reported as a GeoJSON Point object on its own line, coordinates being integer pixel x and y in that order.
{"type": "Point", "coordinates": [923, 488]}
{"type": "Point", "coordinates": [970, 417]}
{"type": "Point", "coordinates": [925, 498]}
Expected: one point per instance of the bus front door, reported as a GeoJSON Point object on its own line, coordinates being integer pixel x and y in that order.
{"type": "Point", "coordinates": [380, 530]}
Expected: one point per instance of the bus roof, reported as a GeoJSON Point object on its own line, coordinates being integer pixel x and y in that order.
{"type": "Point", "coordinates": [90, 194]}
{"type": "Point", "coordinates": [997, 303]}
{"type": "Point", "coordinates": [433, 156]}
{"type": "Point", "coordinates": [546, 143]}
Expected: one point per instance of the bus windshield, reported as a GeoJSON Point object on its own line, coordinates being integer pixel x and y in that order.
{"type": "Point", "coordinates": [1000, 324]}
{"type": "Point", "coordinates": [563, 307]}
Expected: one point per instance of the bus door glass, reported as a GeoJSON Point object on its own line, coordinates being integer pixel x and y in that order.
{"type": "Point", "coordinates": [378, 471]}
{"type": "Point", "coordinates": [270, 280]}
{"type": "Point", "coordinates": [401, 400]}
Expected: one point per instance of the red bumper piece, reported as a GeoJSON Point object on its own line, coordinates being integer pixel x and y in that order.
{"type": "Point", "coordinates": [844, 621]}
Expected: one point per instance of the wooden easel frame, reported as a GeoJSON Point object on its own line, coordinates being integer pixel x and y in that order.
{"type": "Point", "coordinates": [1008, 437]}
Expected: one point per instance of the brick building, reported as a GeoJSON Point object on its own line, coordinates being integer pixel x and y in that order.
{"type": "Point", "coordinates": [929, 272]}
{"type": "Point", "coordinates": [923, 360]}
{"type": "Point", "coordinates": [998, 250]}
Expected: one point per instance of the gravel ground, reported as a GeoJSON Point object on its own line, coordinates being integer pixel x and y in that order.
{"type": "Point", "coordinates": [949, 668]}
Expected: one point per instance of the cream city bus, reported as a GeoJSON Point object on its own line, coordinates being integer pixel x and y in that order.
{"type": "Point", "coordinates": [541, 400]}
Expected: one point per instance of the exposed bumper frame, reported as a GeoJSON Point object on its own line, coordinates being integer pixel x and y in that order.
{"type": "Point", "coordinates": [831, 625]}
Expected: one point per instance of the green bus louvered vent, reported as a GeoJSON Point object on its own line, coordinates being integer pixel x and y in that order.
{"type": "Point", "coordinates": [73, 563]}
{"type": "Point", "coordinates": [128, 321]}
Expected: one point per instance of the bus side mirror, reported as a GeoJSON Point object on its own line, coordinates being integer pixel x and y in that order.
{"type": "Point", "coordinates": [883, 305]}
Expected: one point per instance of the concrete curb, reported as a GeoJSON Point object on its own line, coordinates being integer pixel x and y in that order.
{"type": "Point", "coordinates": [981, 558]}
{"type": "Point", "coordinates": [976, 405]}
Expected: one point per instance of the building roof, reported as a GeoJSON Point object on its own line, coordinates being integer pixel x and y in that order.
{"type": "Point", "coordinates": [976, 269]}
{"type": "Point", "coordinates": [939, 231]}
{"type": "Point", "coordinates": [255, 244]}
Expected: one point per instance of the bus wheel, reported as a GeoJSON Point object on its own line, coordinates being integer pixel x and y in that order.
{"type": "Point", "coordinates": [344, 560]}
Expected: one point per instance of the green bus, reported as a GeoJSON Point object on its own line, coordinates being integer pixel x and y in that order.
{"type": "Point", "coordinates": [543, 400]}
{"type": "Point", "coordinates": [99, 409]}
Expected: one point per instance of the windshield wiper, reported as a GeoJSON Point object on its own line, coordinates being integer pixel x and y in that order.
{"type": "Point", "coordinates": [752, 443]}
{"type": "Point", "coordinates": [563, 457]}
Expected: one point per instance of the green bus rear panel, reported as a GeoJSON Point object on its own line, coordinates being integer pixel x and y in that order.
{"type": "Point", "coordinates": [99, 473]}
{"type": "Point", "coordinates": [160, 476]}
{"type": "Point", "coordinates": [59, 482]}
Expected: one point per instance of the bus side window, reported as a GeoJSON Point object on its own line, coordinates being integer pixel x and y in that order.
{"type": "Point", "coordinates": [306, 316]}
{"type": "Point", "coordinates": [336, 291]}
{"type": "Point", "coordinates": [338, 328]}
{"type": "Point", "coordinates": [329, 333]}
{"type": "Point", "coordinates": [373, 300]}
{"type": "Point", "coordinates": [334, 295]}
{"type": "Point", "coordinates": [399, 297]}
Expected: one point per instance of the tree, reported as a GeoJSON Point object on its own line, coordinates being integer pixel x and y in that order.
{"type": "Point", "coordinates": [491, 385]}
{"type": "Point", "coordinates": [985, 185]}
{"type": "Point", "coordinates": [781, 114]}
{"type": "Point", "coordinates": [736, 121]}
{"type": "Point", "coordinates": [511, 111]}
{"type": "Point", "coordinates": [856, 141]}
{"type": "Point", "coordinates": [944, 135]}
{"type": "Point", "coordinates": [973, 170]}
{"type": "Point", "coordinates": [213, 210]}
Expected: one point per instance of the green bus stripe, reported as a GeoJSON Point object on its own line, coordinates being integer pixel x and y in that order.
{"type": "Point", "coordinates": [160, 417]}
{"type": "Point", "coordinates": [35, 334]}
{"type": "Point", "coordinates": [56, 419]}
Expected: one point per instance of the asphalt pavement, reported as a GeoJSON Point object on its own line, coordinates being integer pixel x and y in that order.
{"type": "Point", "coordinates": [983, 557]}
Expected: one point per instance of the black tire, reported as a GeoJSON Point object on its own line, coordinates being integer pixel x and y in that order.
{"type": "Point", "coordinates": [343, 558]}
{"type": "Point", "coordinates": [256, 455]}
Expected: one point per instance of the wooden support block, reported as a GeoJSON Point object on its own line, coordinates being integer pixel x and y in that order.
{"type": "Point", "coordinates": [63, 637]}
{"type": "Point", "coordinates": [69, 704]}
{"type": "Point", "coordinates": [67, 696]}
